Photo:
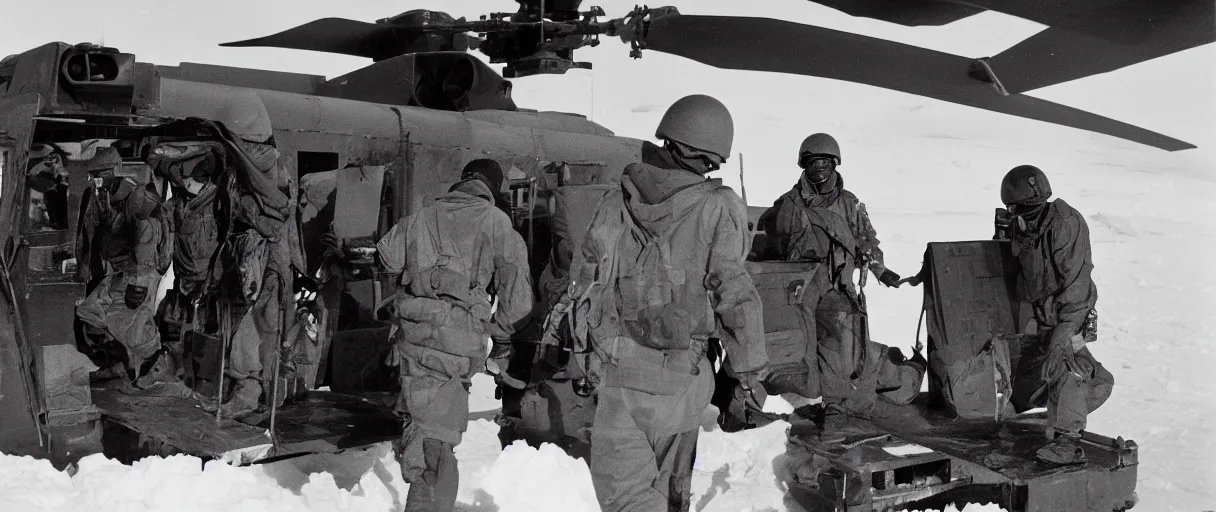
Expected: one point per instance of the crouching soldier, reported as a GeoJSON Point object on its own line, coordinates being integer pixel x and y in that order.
{"type": "Point", "coordinates": [133, 235]}
{"type": "Point", "coordinates": [660, 269]}
{"type": "Point", "coordinates": [1051, 243]}
{"type": "Point", "coordinates": [452, 257]}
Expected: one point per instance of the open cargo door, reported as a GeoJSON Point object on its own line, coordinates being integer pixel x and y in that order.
{"type": "Point", "coordinates": [21, 402]}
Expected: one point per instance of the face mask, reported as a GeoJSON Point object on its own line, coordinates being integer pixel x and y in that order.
{"type": "Point", "coordinates": [817, 168]}
{"type": "Point", "coordinates": [693, 160]}
{"type": "Point", "coordinates": [1026, 216]}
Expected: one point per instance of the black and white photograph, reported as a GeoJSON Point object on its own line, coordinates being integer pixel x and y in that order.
{"type": "Point", "coordinates": [568, 256]}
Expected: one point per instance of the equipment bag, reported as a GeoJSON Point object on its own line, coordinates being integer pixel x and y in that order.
{"type": "Point", "coordinates": [574, 207]}
{"type": "Point", "coordinates": [969, 314]}
{"type": "Point", "coordinates": [980, 388]}
{"type": "Point", "coordinates": [657, 300]}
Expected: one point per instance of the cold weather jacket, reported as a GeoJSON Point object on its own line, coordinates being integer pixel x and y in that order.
{"type": "Point", "coordinates": [451, 256]}
{"type": "Point", "coordinates": [821, 222]}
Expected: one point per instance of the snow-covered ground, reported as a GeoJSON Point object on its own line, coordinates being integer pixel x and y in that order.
{"type": "Point", "coordinates": [736, 472]}
{"type": "Point", "coordinates": [928, 171]}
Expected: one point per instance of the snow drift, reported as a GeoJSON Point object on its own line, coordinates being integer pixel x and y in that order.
{"type": "Point", "coordinates": [737, 472]}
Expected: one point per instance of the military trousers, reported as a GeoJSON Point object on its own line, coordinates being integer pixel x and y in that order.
{"type": "Point", "coordinates": [108, 317]}
{"type": "Point", "coordinates": [644, 443]}
{"type": "Point", "coordinates": [1070, 398]}
{"type": "Point", "coordinates": [434, 402]}
{"type": "Point", "coordinates": [838, 351]}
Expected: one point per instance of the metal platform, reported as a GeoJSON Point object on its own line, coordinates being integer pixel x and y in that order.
{"type": "Point", "coordinates": [139, 426]}
{"type": "Point", "coordinates": [906, 457]}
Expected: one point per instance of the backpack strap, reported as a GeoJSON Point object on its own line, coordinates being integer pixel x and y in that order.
{"type": "Point", "coordinates": [811, 215]}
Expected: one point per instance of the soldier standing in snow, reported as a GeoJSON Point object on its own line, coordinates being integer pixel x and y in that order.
{"type": "Point", "coordinates": [661, 270]}
{"type": "Point", "coordinates": [1051, 243]}
{"type": "Point", "coordinates": [819, 220]}
{"type": "Point", "coordinates": [448, 255]}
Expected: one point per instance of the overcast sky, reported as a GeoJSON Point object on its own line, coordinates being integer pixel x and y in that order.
{"type": "Point", "coordinates": [1172, 95]}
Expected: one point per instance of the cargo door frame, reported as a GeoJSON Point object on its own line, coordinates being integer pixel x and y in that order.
{"type": "Point", "coordinates": [17, 118]}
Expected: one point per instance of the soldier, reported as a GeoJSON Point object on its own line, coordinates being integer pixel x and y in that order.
{"type": "Point", "coordinates": [451, 257]}
{"type": "Point", "coordinates": [819, 220]}
{"type": "Point", "coordinates": [264, 248]}
{"type": "Point", "coordinates": [189, 169]}
{"type": "Point", "coordinates": [133, 236]}
{"type": "Point", "coordinates": [1050, 240]}
{"type": "Point", "coordinates": [660, 269]}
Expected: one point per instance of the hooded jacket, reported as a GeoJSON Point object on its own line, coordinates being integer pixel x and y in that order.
{"type": "Point", "coordinates": [451, 256]}
{"type": "Point", "coordinates": [803, 222]}
{"type": "Point", "coordinates": [1055, 266]}
{"type": "Point", "coordinates": [703, 226]}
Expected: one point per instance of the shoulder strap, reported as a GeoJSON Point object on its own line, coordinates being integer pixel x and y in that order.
{"type": "Point", "coordinates": [812, 214]}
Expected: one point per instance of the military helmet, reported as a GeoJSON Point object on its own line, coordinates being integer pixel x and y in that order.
{"type": "Point", "coordinates": [819, 144]}
{"type": "Point", "coordinates": [1025, 184]}
{"type": "Point", "coordinates": [244, 115]}
{"type": "Point", "coordinates": [701, 122]}
{"type": "Point", "coordinates": [489, 171]}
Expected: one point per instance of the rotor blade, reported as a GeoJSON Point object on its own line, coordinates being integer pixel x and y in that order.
{"type": "Point", "coordinates": [1118, 21]}
{"type": "Point", "coordinates": [336, 35]}
{"type": "Point", "coordinates": [1058, 55]}
{"type": "Point", "coordinates": [904, 12]}
{"type": "Point", "coordinates": [763, 44]}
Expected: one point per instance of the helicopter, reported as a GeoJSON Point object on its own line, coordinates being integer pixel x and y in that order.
{"type": "Point", "coordinates": [1084, 39]}
{"type": "Point", "coordinates": [365, 154]}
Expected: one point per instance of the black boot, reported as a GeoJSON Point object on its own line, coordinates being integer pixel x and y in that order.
{"type": "Point", "coordinates": [1064, 450]}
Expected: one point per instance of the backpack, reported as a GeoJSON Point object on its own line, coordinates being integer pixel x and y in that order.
{"type": "Point", "coordinates": [437, 305]}
{"type": "Point", "coordinates": [657, 301]}
{"type": "Point", "coordinates": [440, 272]}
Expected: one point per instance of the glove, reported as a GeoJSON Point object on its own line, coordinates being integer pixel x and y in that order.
{"type": "Point", "coordinates": [135, 295]}
{"type": "Point", "coordinates": [1061, 357]}
{"type": "Point", "coordinates": [1004, 224]}
{"type": "Point", "coordinates": [751, 389]}
{"type": "Point", "coordinates": [915, 280]}
{"type": "Point", "coordinates": [1089, 331]}
{"type": "Point", "coordinates": [331, 246]}
{"type": "Point", "coordinates": [498, 362]}
{"type": "Point", "coordinates": [889, 278]}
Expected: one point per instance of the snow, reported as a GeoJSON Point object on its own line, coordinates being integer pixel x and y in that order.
{"type": "Point", "coordinates": [735, 472]}
{"type": "Point", "coordinates": [906, 450]}
{"type": "Point", "coordinates": [927, 171]}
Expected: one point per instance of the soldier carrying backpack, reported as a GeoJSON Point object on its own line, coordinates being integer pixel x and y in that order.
{"type": "Point", "coordinates": [453, 257]}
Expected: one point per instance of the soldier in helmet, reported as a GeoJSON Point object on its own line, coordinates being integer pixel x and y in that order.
{"type": "Point", "coordinates": [262, 247]}
{"type": "Point", "coordinates": [451, 258]}
{"type": "Point", "coordinates": [1050, 240]}
{"type": "Point", "coordinates": [662, 265]}
{"type": "Point", "coordinates": [819, 220]}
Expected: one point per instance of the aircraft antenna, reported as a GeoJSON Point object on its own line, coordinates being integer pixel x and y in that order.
{"type": "Point", "coordinates": [742, 187]}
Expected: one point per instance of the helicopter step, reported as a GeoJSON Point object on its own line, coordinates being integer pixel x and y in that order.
{"type": "Point", "coordinates": [134, 427]}
{"type": "Point", "coordinates": [904, 458]}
